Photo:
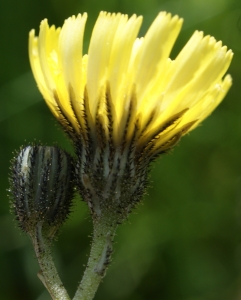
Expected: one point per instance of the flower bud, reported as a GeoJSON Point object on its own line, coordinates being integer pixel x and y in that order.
{"type": "Point", "coordinates": [41, 188]}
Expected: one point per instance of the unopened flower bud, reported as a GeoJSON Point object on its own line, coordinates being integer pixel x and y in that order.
{"type": "Point", "coordinates": [41, 188]}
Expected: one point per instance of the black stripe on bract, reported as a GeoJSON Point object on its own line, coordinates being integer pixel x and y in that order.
{"type": "Point", "coordinates": [173, 120]}
{"type": "Point", "coordinates": [82, 134]}
{"type": "Point", "coordinates": [64, 121]}
{"type": "Point", "coordinates": [86, 118]}
{"type": "Point", "coordinates": [132, 155]}
{"type": "Point", "coordinates": [100, 133]}
{"type": "Point", "coordinates": [61, 198]}
{"type": "Point", "coordinates": [164, 148]}
{"type": "Point", "coordinates": [124, 138]}
{"type": "Point", "coordinates": [84, 153]}
{"type": "Point", "coordinates": [101, 146]}
{"type": "Point", "coordinates": [109, 110]}
{"type": "Point", "coordinates": [130, 118]}
{"type": "Point", "coordinates": [131, 159]}
{"type": "Point", "coordinates": [170, 143]}
{"type": "Point", "coordinates": [149, 121]}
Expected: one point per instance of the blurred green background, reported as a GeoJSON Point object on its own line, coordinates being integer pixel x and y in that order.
{"type": "Point", "coordinates": [184, 242]}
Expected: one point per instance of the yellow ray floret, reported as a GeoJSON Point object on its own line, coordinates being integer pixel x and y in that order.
{"type": "Point", "coordinates": [127, 88]}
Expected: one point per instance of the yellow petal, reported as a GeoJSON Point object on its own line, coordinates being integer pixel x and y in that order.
{"type": "Point", "coordinates": [155, 50]}
{"type": "Point", "coordinates": [99, 54]}
{"type": "Point", "coordinates": [126, 90]}
{"type": "Point", "coordinates": [70, 51]}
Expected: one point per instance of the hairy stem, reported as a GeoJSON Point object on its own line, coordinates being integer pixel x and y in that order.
{"type": "Point", "coordinates": [48, 273]}
{"type": "Point", "coordinates": [100, 255]}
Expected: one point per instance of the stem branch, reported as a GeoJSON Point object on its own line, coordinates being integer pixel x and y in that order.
{"type": "Point", "coordinates": [100, 255]}
{"type": "Point", "coordinates": [48, 273]}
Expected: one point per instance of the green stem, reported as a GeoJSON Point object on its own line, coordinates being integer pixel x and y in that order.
{"type": "Point", "coordinates": [48, 273]}
{"type": "Point", "coordinates": [100, 255]}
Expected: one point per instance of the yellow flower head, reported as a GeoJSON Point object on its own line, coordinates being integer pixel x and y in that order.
{"type": "Point", "coordinates": [126, 101]}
